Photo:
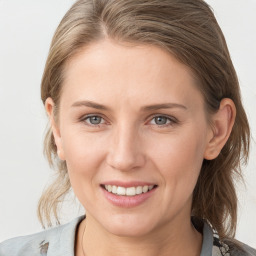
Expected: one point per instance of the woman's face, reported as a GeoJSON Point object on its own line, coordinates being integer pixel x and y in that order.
{"type": "Point", "coordinates": [131, 118]}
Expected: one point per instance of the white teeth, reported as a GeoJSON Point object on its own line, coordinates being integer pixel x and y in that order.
{"type": "Point", "coordinates": [150, 187]}
{"type": "Point", "coordinates": [131, 191]}
{"type": "Point", "coordinates": [114, 189]}
{"type": "Point", "coordinates": [109, 188]}
{"type": "Point", "coordinates": [145, 189]}
{"type": "Point", "coordinates": [139, 190]}
{"type": "Point", "coordinates": [121, 191]}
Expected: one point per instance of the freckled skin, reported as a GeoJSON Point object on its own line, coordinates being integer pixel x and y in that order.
{"type": "Point", "coordinates": [128, 144]}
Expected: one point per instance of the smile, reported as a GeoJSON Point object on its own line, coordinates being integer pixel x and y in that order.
{"type": "Point", "coordinates": [129, 191]}
{"type": "Point", "coordinates": [128, 194]}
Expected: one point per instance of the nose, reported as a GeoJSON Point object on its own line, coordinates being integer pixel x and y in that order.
{"type": "Point", "coordinates": [125, 152]}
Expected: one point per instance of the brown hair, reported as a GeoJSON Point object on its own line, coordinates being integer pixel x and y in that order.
{"type": "Point", "coordinates": [189, 31]}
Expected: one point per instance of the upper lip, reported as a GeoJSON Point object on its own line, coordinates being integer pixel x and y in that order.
{"type": "Point", "coordinates": [129, 184]}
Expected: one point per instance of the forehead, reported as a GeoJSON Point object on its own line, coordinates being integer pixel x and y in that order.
{"type": "Point", "coordinates": [128, 73]}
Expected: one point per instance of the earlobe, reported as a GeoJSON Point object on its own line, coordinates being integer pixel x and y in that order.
{"type": "Point", "coordinates": [49, 107]}
{"type": "Point", "coordinates": [222, 124]}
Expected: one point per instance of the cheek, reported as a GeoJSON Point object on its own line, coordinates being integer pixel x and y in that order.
{"type": "Point", "coordinates": [83, 161]}
{"type": "Point", "coordinates": [179, 160]}
{"type": "Point", "coordinates": [176, 151]}
{"type": "Point", "coordinates": [83, 156]}
{"type": "Point", "coordinates": [81, 149]}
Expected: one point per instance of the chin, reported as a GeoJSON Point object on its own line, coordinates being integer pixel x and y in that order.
{"type": "Point", "coordinates": [129, 231]}
{"type": "Point", "coordinates": [129, 226]}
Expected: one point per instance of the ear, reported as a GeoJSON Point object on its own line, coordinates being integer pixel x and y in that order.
{"type": "Point", "coordinates": [49, 107]}
{"type": "Point", "coordinates": [222, 124]}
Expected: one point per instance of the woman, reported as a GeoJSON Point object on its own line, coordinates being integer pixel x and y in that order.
{"type": "Point", "coordinates": [146, 127]}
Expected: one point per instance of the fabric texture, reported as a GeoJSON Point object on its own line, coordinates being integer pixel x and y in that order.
{"type": "Point", "coordinates": [60, 241]}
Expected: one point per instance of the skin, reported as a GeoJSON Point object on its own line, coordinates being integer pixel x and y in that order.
{"type": "Point", "coordinates": [129, 144]}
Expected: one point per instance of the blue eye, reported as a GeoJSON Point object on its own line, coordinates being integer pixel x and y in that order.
{"type": "Point", "coordinates": [162, 121]}
{"type": "Point", "coordinates": [157, 120]}
{"type": "Point", "coordinates": [94, 120]}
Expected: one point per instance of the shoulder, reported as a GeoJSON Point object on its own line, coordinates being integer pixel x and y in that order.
{"type": "Point", "coordinates": [249, 251]}
{"type": "Point", "coordinates": [236, 248]}
{"type": "Point", "coordinates": [214, 246]}
{"type": "Point", "coordinates": [28, 245]}
{"type": "Point", "coordinates": [43, 242]}
{"type": "Point", "coordinates": [230, 247]}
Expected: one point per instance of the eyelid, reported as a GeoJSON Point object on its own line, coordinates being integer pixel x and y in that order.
{"type": "Point", "coordinates": [85, 117]}
{"type": "Point", "coordinates": [172, 119]}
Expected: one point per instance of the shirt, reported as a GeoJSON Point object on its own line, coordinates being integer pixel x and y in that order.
{"type": "Point", "coordinates": [60, 241]}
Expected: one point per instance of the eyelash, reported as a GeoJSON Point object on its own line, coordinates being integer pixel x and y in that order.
{"type": "Point", "coordinates": [171, 120]}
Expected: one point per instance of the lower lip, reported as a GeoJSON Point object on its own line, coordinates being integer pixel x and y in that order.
{"type": "Point", "coordinates": [127, 201]}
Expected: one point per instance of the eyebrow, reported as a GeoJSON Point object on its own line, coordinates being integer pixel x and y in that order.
{"type": "Point", "coordinates": [91, 104]}
{"type": "Point", "coordinates": [163, 106]}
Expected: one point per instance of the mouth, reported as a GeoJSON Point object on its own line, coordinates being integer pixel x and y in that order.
{"type": "Point", "coordinates": [128, 191]}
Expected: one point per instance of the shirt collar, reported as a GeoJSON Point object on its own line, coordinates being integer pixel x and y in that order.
{"type": "Point", "coordinates": [64, 244]}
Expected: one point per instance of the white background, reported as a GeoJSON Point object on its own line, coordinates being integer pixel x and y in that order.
{"type": "Point", "coordinates": [26, 28]}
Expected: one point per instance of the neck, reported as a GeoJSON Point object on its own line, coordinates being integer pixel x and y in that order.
{"type": "Point", "coordinates": [176, 239]}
